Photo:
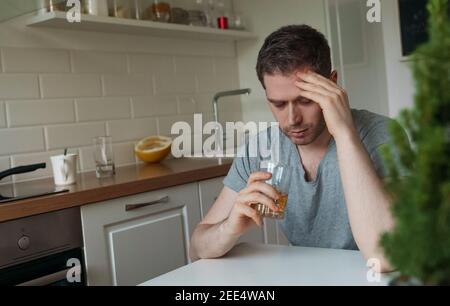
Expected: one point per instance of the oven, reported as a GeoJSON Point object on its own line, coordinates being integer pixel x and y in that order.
{"type": "Point", "coordinates": [43, 250]}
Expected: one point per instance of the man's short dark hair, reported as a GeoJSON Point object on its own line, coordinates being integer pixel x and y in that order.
{"type": "Point", "coordinates": [291, 48]}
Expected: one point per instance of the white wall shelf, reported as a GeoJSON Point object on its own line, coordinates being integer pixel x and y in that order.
{"type": "Point", "coordinates": [58, 20]}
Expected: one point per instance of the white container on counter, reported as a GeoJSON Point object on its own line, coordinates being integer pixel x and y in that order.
{"type": "Point", "coordinates": [64, 169]}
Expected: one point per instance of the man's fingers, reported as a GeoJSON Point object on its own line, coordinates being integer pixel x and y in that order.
{"type": "Point", "coordinates": [251, 213]}
{"type": "Point", "coordinates": [315, 78]}
{"type": "Point", "coordinates": [258, 176]}
{"type": "Point", "coordinates": [316, 97]}
{"type": "Point", "coordinates": [256, 197]}
{"type": "Point", "coordinates": [263, 188]}
{"type": "Point", "coordinates": [314, 88]}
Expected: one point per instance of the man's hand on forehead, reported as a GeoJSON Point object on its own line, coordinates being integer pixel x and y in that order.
{"type": "Point", "coordinates": [332, 99]}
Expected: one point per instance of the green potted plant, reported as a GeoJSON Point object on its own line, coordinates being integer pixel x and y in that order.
{"type": "Point", "coordinates": [419, 245]}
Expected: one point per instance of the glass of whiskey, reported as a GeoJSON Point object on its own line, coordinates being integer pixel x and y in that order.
{"type": "Point", "coordinates": [280, 180]}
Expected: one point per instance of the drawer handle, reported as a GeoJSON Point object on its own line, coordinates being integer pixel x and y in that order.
{"type": "Point", "coordinates": [129, 207]}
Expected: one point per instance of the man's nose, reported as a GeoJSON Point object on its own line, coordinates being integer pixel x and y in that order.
{"type": "Point", "coordinates": [294, 115]}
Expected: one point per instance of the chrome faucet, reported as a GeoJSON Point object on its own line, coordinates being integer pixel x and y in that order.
{"type": "Point", "coordinates": [222, 94]}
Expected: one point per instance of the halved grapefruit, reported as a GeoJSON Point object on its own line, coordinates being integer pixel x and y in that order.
{"type": "Point", "coordinates": [153, 149]}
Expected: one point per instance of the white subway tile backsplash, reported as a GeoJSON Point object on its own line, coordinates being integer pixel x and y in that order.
{"type": "Point", "coordinates": [127, 85]}
{"type": "Point", "coordinates": [87, 162]}
{"type": "Point", "coordinates": [124, 153]}
{"type": "Point", "coordinates": [194, 65]}
{"type": "Point", "coordinates": [228, 66]}
{"type": "Point", "coordinates": [22, 113]}
{"type": "Point", "coordinates": [98, 62]}
{"type": "Point", "coordinates": [21, 140]}
{"type": "Point", "coordinates": [186, 105]}
{"type": "Point", "coordinates": [226, 82]}
{"type": "Point", "coordinates": [165, 123]}
{"type": "Point", "coordinates": [226, 72]}
{"type": "Point", "coordinates": [2, 115]}
{"type": "Point", "coordinates": [182, 84]}
{"type": "Point", "coordinates": [206, 84]}
{"type": "Point", "coordinates": [151, 64]}
{"type": "Point", "coordinates": [103, 109]}
{"type": "Point", "coordinates": [150, 106]}
{"type": "Point", "coordinates": [5, 165]}
{"type": "Point", "coordinates": [35, 60]}
{"type": "Point", "coordinates": [73, 135]}
{"type": "Point", "coordinates": [128, 130]}
{"type": "Point", "coordinates": [70, 85]}
{"type": "Point", "coordinates": [19, 86]}
{"type": "Point", "coordinates": [54, 98]}
{"type": "Point", "coordinates": [203, 103]}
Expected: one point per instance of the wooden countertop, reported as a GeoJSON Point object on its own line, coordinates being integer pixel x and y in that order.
{"type": "Point", "coordinates": [127, 181]}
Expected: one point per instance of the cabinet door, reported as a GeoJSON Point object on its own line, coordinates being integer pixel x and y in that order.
{"type": "Point", "coordinates": [209, 191]}
{"type": "Point", "coordinates": [130, 247]}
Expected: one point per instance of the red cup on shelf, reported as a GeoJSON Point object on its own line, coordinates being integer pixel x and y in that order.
{"type": "Point", "coordinates": [222, 22]}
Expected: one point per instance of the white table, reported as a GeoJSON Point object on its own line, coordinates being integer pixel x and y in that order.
{"type": "Point", "coordinates": [273, 265]}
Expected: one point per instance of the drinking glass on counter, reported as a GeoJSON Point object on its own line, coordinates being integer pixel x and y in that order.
{"type": "Point", "coordinates": [280, 180]}
{"type": "Point", "coordinates": [103, 156]}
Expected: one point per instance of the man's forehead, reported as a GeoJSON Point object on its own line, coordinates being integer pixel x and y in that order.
{"type": "Point", "coordinates": [281, 88]}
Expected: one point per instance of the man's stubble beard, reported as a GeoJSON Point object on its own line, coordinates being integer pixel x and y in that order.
{"type": "Point", "coordinates": [315, 132]}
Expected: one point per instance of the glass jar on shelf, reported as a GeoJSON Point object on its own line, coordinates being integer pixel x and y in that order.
{"type": "Point", "coordinates": [161, 10]}
{"type": "Point", "coordinates": [52, 6]}
{"type": "Point", "coordinates": [237, 22]}
{"type": "Point", "coordinates": [95, 7]}
{"type": "Point", "coordinates": [119, 8]}
{"type": "Point", "coordinates": [137, 10]}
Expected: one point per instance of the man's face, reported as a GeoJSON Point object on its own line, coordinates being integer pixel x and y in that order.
{"type": "Point", "coordinates": [299, 118]}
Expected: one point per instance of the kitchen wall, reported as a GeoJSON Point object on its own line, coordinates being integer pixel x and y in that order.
{"type": "Point", "coordinates": [400, 85]}
{"type": "Point", "coordinates": [264, 17]}
{"type": "Point", "coordinates": [59, 89]}
{"type": "Point", "coordinates": [377, 77]}
{"type": "Point", "coordinates": [363, 61]}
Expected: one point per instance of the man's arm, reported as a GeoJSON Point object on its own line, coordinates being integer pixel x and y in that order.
{"type": "Point", "coordinates": [368, 203]}
{"type": "Point", "coordinates": [210, 237]}
{"type": "Point", "coordinates": [231, 216]}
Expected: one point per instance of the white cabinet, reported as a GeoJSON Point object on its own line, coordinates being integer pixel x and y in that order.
{"type": "Point", "coordinates": [271, 231]}
{"type": "Point", "coordinates": [133, 239]}
{"type": "Point", "coordinates": [128, 247]}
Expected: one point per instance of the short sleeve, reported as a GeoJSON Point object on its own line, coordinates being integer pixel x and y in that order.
{"type": "Point", "coordinates": [238, 175]}
{"type": "Point", "coordinates": [241, 169]}
{"type": "Point", "coordinates": [378, 139]}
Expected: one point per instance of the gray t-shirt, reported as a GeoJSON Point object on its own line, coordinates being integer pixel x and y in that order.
{"type": "Point", "coordinates": [316, 213]}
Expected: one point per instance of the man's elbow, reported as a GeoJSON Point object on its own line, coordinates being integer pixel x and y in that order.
{"type": "Point", "coordinates": [385, 267]}
{"type": "Point", "coordinates": [379, 264]}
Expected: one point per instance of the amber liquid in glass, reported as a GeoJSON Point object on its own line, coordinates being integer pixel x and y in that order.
{"type": "Point", "coordinates": [265, 211]}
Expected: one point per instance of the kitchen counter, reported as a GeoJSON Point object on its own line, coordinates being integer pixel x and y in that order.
{"type": "Point", "coordinates": [275, 265]}
{"type": "Point", "coordinates": [127, 181]}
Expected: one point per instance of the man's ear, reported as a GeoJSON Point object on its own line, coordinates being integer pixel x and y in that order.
{"type": "Point", "coordinates": [334, 76]}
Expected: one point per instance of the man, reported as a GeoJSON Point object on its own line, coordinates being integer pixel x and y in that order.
{"type": "Point", "coordinates": [336, 198]}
